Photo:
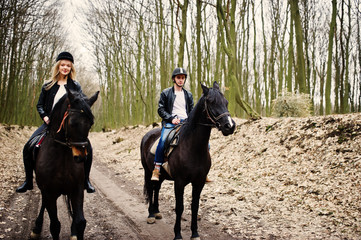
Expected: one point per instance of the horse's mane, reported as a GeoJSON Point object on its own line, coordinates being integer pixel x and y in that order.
{"type": "Point", "coordinates": [193, 118]}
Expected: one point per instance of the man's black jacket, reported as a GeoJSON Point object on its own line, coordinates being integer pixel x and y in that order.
{"type": "Point", "coordinates": [166, 102]}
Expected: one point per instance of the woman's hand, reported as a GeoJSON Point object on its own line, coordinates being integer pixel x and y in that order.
{"type": "Point", "coordinates": [46, 120]}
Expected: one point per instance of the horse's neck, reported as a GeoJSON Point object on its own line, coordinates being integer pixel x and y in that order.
{"type": "Point", "coordinates": [55, 125]}
{"type": "Point", "coordinates": [198, 130]}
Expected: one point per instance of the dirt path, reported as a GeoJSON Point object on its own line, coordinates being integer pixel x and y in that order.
{"type": "Point", "coordinates": [116, 211]}
{"type": "Point", "coordinates": [128, 201]}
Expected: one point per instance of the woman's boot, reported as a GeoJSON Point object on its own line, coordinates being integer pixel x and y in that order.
{"type": "Point", "coordinates": [28, 184]}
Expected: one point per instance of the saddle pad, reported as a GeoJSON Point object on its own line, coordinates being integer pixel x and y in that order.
{"type": "Point", "coordinates": [154, 147]}
{"type": "Point", "coordinates": [37, 140]}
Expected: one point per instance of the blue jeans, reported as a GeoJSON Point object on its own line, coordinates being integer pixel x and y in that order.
{"type": "Point", "coordinates": [159, 153]}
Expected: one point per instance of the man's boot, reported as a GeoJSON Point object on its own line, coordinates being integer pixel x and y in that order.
{"type": "Point", "coordinates": [156, 173]}
{"type": "Point", "coordinates": [87, 166]}
{"type": "Point", "coordinates": [208, 180]}
{"type": "Point", "coordinates": [28, 184]}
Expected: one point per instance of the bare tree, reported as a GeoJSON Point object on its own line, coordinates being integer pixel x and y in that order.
{"type": "Point", "coordinates": [329, 59]}
{"type": "Point", "coordinates": [29, 40]}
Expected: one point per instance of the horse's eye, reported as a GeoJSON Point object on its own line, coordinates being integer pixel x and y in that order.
{"type": "Point", "coordinates": [73, 121]}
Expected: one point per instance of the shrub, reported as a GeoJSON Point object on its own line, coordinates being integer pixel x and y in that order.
{"type": "Point", "coordinates": [289, 104]}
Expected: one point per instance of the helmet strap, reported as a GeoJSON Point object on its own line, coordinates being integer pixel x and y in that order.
{"type": "Point", "coordinates": [174, 81]}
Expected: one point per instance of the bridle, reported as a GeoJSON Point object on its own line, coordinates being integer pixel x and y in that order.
{"type": "Point", "coordinates": [64, 125]}
{"type": "Point", "coordinates": [214, 119]}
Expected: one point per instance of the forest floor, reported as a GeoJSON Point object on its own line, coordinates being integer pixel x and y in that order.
{"type": "Point", "coordinates": [274, 178]}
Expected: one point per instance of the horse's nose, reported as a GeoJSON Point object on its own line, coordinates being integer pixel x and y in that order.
{"type": "Point", "coordinates": [230, 126]}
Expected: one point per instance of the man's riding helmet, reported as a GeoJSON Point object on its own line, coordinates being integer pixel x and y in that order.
{"type": "Point", "coordinates": [179, 71]}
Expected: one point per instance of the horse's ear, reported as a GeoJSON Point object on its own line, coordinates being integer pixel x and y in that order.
{"type": "Point", "coordinates": [93, 98]}
{"type": "Point", "coordinates": [215, 85]}
{"type": "Point", "coordinates": [205, 89]}
{"type": "Point", "coordinates": [70, 95]}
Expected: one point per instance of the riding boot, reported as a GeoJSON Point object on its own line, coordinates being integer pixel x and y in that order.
{"type": "Point", "coordinates": [87, 166]}
{"type": "Point", "coordinates": [28, 184]}
{"type": "Point", "coordinates": [156, 173]}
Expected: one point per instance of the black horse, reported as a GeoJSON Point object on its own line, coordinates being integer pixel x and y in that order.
{"type": "Point", "coordinates": [59, 165]}
{"type": "Point", "coordinates": [190, 160]}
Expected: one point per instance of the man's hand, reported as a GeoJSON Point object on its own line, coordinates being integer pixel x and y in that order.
{"type": "Point", "coordinates": [175, 121]}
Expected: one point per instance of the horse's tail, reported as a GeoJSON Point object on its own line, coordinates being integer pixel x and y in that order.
{"type": "Point", "coordinates": [147, 161]}
{"type": "Point", "coordinates": [68, 205]}
{"type": "Point", "coordinates": [145, 193]}
{"type": "Point", "coordinates": [143, 156]}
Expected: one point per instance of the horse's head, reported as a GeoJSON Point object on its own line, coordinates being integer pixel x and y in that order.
{"type": "Point", "coordinates": [216, 107]}
{"type": "Point", "coordinates": [79, 121]}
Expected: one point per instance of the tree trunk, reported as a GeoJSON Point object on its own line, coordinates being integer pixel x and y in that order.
{"type": "Point", "coordinates": [329, 58]}
{"type": "Point", "coordinates": [182, 32]}
{"type": "Point", "coordinates": [300, 69]}
{"type": "Point", "coordinates": [230, 50]}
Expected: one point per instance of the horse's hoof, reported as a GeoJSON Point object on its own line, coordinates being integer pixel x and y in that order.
{"type": "Point", "coordinates": [195, 237]}
{"type": "Point", "coordinates": [158, 216]}
{"type": "Point", "coordinates": [151, 220]}
{"type": "Point", "coordinates": [73, 237]}
{"type": "Point", "coordinates": [34, 235]}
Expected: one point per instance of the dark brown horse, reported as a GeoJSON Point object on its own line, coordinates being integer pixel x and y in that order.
{"type": "Point", "coordinates": [190, 160]}
{"type": "Point", "coordinates": [59, 165]}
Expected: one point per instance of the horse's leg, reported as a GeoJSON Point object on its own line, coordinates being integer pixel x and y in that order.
{"type": "Point", "coordinates": [50, 205]}
{"type": "Point", "coordinates": [79, 222]}
{"type": "Point", "coordinates": [149, 189]}
{"type": "Point", "coordinates": [35, 234]}
{"type": "Point", "coordinates": [156, 211]}
{"type": "Point", "coordinates": [196, 193]}
{"type": "Point", "coordinates": [179, 208]}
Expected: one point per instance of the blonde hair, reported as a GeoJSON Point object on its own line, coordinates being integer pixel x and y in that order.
{"type": "Point", "coordinates": [55, 75]}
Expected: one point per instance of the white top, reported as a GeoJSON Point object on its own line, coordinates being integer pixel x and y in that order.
{"type": "Point", "coordinates": [61, 92]}
{"type": "Point", "coordinates": [179, 107]}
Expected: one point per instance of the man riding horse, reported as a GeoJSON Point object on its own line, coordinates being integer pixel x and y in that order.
{"type": "Point", "coordinates": [174, 105]}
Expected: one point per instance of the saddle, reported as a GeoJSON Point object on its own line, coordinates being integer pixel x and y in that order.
{"type": "Point", "coordinates": [170, 143]}
{"type": "Point", "coordinates": [36, 142]}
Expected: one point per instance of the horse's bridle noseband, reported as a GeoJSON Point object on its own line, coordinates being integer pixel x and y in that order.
{"type": "Point", "coordinates": [213, 118]}
{"type": "Point", "coordinates": [63, 125]}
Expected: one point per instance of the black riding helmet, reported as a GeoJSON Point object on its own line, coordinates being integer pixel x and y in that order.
{"type": "Point", "coordinates": [179, 71]}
